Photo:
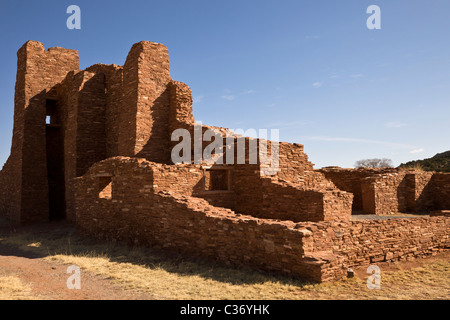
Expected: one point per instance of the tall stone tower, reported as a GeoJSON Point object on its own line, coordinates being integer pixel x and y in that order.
{"type": "Point", "coordinates": [66, 119]}
{"type": "Point", "coordinates": [30, 181]}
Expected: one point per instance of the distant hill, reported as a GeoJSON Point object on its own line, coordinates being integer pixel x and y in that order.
{"type": "Point", "coordinates": [439, 163]}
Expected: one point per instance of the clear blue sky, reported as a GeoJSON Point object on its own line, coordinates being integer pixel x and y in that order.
{"type": "Point", "coordinates": [310, 68]}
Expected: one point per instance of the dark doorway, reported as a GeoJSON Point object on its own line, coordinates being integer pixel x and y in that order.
{"type": "Point", "coordinates": [55, 164]}
{"type": "Point", "coordinates": [217, 180]}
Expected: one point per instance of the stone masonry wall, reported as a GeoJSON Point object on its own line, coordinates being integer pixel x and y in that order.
{"type": "Point", "coordinates": [82, 104]}
{"type": "Point", "coordinates": [181, 114]}
{"type": "Point", "coordinates": [37, 72]}
{"type": "Point", "coordinates": [139, 211]}
{"type": "Point", "coordinates": [389, 192]}
{"type": "Point", "coordinates": [351, 180]}
{"type": "Point", "coordinates": [144, 122]}
{"type": "Point", "coordinates": [274, 198]}
{"type": "Point", "coordinates": [295, 167]}
{"type": "Point", "coordinates": [421, 196]}
{"type": "Point", "coordinates": [114, 89]}
{"type": "Point", "coordinates": [140, 214]}
{"type": "Point", "coordinates": [367, 242]}
{"type": "Point", "coordinates": [441, 191]}
{"type": "Point", "coordinates": [288, 201]}
{"type": "Point", "coordinates": [405, 191]}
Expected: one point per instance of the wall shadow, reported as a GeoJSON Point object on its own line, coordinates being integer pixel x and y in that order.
{"type": "Point", "coordinates": [157, 148]}
{"type": "Point", "coordinates": [61, 238]}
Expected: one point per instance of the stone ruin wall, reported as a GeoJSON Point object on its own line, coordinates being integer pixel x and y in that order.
{"type": "Point", "coordinates": [403, 191]}
{"type": "Point", "coordinates": [367, 242]}
{"type": "Point", "coordinates": [388, 191]}
{"type": "Point", "coordinates": [295, 222]}
{"type": "Point", "coordinates": [441, 191]}
{"type": "Point", "coordinates": [104, 101]}
{"type": "Point", "coordinates": [24, 175]}
{"type": "Point", "coordinates": [252, 193]}
{"type": "Point", "coordinates": [142, 211]}
{"type": "Point", "coordinates": [350, 180]}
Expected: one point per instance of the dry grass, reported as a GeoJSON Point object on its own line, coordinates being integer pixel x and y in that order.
{"type": "Point", "coordinates": [12, 288]}
{"type": "Point", "coordinates": [174, 277]}
{"type": "Point", "coordinates": [415, 167]}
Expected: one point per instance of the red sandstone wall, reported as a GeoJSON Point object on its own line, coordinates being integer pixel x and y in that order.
{"type": "Point", "coordinates": [288, 201]}
{"type": "Point", "coordinates": [441, 191]}
{"type": "Point", "coordinates": [351, 180]}
{"type": "Point", "coordinates": [9, 195]}
{"type": "Point", "coordinates": [114, 89]}
{"type": "Point", "coordinates": [139, 214]}
{"type": "Point", "coordinates": [144, 123]}
{"type": "Point", "coordinates": [181, 114]}
{"type": "Point", "coordinates": [390, 192]}
{"type": "Point", "coordinates": [405, 191]}
{"type": "Point", "coordinates": [422, 194]}
{"type": "Point", "coordinates": [295, 167]}
{"type": "Point", "coordinates": [37, 71]}
{"type": "Point", "coordinates": [82, 104]}
{"type": "Point", "coordinates": [367, 242]}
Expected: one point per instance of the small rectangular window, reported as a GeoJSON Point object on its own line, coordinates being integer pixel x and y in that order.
{"type": "Point", "coordinates": [105, 188]}
{"type": "Point", "coordinates": [50, 111]}
{"type": "Point", "coordinates": [217, 180]}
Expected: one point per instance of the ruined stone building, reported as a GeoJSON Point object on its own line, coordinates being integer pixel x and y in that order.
{"type": "Point", "coordinates": [94, 147]}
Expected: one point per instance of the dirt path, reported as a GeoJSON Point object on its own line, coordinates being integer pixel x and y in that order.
{"type": "Point", "coordinates": [48, 280]}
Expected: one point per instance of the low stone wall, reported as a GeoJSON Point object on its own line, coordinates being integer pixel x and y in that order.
{"type": "Point", "coordinates": [276, 198]}
{"type": "Point", "coordinates": [351, 180]}
{"type": "Point", "coordinates": [137, 208]}
{"type": "Point", "coordinates": [287, 201]}
{"type": "Point", "coordinates": [441, 190]}
{"type": "Point", "coordinates": [385, 193]}
{"type": "Point", "coordinates": [406, 191]}
{"type": "Point", "coordinates": [139, 214]}
{"type": "Point", "coordinates": [10, 195]}
{"type": "Point", "coordinates": [366, 242]}
{"type": "Point", "coordinates": [421, 196]}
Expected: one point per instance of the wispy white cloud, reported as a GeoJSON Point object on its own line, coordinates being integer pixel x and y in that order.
{"type": "Point", "coordinates": [284, 124]}
{"type": "Point", "coordinates": [358, 140]}
{"type": "Point", "coordinates": [395, 124]}
{"type": "Point", "coordinates": [317, 84]}
{"type": "Point", "coordinates": [417, 151]}
{"type": "Point", "coordinates": [313, 37]}
{"type": "Point", "coordinates": [356, 76]}
{"type": "Point", "coordinates": [334, 76]}
{"type": "Point", "coordinates": [228, 97]}
{"type": "Point", "coordinates": [199, 98]}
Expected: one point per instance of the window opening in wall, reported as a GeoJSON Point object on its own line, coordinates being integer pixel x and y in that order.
{"type": "Point", "coordinates": [50, 111]}
{"type": "Point", "coordinates": [105, 188]}
{"type": "Point", "coordinates": [55, 164]}
{"type": "Point", "coordinates": [217, 180]}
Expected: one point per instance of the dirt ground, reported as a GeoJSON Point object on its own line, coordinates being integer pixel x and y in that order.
{"type": "Point", "coordinates": [48, 279]}
{"type": "Point", "coordinates": [27, 272]}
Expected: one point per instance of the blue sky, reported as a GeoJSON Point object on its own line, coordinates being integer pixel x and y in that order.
{"type": "Point", "coordinates": [309, 68]}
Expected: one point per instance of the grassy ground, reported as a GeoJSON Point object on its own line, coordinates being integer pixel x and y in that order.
{"type": "Point", "coordinates": [174, 277]}
{"type": "Point", "coordinates": [12, 288]}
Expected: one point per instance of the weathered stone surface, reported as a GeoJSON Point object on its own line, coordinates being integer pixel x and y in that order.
{"type": "Point", "coordinates": [104, 161]}
{"type": "Point", "coordinates": [389, 191]}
